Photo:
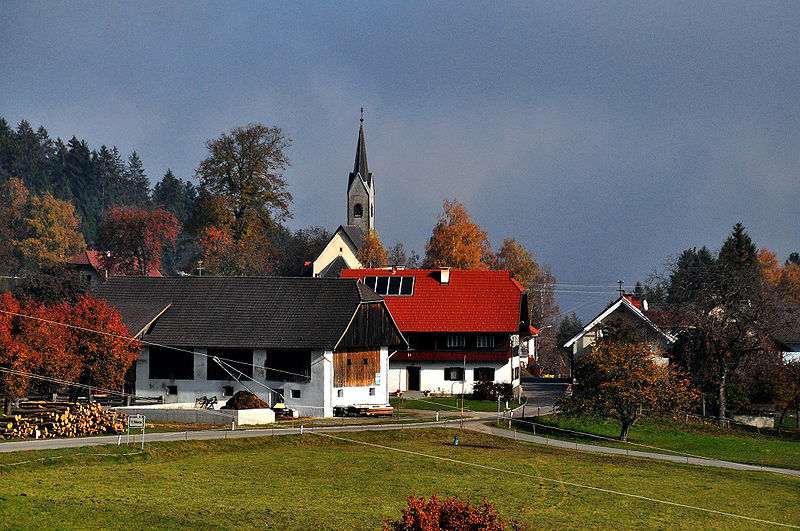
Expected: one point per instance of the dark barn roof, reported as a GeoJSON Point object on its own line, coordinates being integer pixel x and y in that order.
{"type": "Point", "coordinates": [239, 312]}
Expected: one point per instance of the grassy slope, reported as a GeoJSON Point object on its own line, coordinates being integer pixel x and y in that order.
{"type": "Point", "coordinates": [739, 445]}
{"type": "Point", "coordinates": [312, 482]}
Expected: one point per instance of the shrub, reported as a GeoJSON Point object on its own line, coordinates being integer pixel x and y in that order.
{"type": "Point", "coordinates": [450, 514]}
{"type": "Point", "coordinates": [486, 390]}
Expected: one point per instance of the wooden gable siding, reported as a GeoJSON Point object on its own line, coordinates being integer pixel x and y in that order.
{"type": "Point", "coordinates": [372, 326]}
{"type": "Point", "coordinates": [356, 368]}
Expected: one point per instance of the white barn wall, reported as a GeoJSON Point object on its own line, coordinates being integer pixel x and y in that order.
{"type": "Point", "coordinates": [318, 397]}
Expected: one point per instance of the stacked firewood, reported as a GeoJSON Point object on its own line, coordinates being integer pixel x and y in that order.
{"type": "Point", "coordinates": [60, 419]}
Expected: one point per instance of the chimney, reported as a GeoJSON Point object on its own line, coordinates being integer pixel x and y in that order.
{"type": "Point", "coordinates": [444, 275]}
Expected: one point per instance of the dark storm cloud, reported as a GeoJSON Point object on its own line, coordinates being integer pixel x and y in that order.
{"type": "Point", "coordinates": [605, 137]}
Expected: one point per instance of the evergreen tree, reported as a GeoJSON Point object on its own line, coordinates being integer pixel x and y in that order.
{"type": "Point", "coordinates": [137, 186]}
{"type": "Point", "coordinates": [176, 196]}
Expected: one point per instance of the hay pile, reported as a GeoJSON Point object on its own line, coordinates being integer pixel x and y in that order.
{"type": "Point", "coordinates": [244, 400]}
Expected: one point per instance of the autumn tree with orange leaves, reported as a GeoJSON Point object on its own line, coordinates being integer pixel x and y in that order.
{"type": "Point", "coordinates": [84, 342]}
{"type": "Point", "coordinates": [620, 379]}
{"type": "Point", "coordinates": [457, 241]}
{"type": "Point", "coordinates": [134, 239]}
{"type": "Point", "coordinates": [372, 253]}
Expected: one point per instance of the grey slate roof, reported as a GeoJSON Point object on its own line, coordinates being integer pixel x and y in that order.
{"type": "Point", "coordinates": [355, 234]}
{"type": "Point", "coordinates": [237, 312]}
{"type": "Point", "coordinates": [334, 269]}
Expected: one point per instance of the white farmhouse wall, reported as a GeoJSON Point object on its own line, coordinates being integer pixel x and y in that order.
{"type": "Point", "coordinates": [432, 375]}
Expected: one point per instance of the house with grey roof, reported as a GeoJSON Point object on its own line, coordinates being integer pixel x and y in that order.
{"type": "Point", "coordinates": [312, 343]}
{"type": "Point", "coordinates": [631, 312]}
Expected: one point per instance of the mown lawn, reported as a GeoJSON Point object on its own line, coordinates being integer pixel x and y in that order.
{"type": "Point", "coordinates": [318, 482]}
{"type": "Point", "coordinates": [705, 440]}
{"type": "Point", "coordinates": [449, 404]}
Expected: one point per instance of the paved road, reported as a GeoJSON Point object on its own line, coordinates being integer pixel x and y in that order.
{"type": "Point", "coordinates": [541, 394]}
{"type": "Point", "coordinates": [477, 423]}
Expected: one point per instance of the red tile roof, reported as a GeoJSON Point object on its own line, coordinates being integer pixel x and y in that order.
{"type": "Point", "coordinates": [95, 259]}
{"type": "Point", "coordinates": [473, 301]}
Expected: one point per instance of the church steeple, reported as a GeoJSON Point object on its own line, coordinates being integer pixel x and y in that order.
{"type": "Point", "coordinates": [361, 188]}
{"type": "Point", "coordinates": [360, 167]}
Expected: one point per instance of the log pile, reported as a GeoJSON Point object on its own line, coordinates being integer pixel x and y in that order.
{"type": "Point", "coordinates": [60, 419]}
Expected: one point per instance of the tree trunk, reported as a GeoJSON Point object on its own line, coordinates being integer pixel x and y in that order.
{"type": "Point", "coordinates": [627, 424]}
{"type": "Point", "coordinates": [722, 377]}
{"type": "Point", "coordinates": [7, 406]}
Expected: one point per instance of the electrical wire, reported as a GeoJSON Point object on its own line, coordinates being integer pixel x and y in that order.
{"type": "Point", "coordinates": [149, 343]}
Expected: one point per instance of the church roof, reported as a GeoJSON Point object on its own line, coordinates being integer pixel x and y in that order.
{"type": "Point", "coordinates": [360, 167]}
{"type": "Point", "coordinates": [355, 234]}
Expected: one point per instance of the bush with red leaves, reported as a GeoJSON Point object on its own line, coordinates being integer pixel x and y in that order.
{"type": "Point", "coordinates": [451, 514]}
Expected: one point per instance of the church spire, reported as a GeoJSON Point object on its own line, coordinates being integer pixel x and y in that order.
{"type": "Point", "coordinates": [360, 166]}
{"type": "Point", "coordinates": [361, 190]}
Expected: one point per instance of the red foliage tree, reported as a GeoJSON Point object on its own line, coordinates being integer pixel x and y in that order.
{"type": "Point", "coordinates": [451, 514]}
{"type": "Point", "coordinates": [135, 238]}
{"type": "Point", "coordinates": [15, 355]}
{"type": "Point", "coordinates": [53, 355]}
{"type": "Point", "coordinates": [98, 336]}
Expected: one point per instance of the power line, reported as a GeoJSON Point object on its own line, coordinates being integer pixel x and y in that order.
{"type": "Point", "coordinates": [152, 344]}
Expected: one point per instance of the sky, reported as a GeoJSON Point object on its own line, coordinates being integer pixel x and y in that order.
{"type": "Point", "coordinates": [605, 137]}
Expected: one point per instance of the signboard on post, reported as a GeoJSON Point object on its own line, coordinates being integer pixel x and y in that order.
{"type": "Point", "coordinates": [136, 422]}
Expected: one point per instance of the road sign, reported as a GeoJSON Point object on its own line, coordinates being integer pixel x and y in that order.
{"type": "Point", "coordinates": [136, 422]}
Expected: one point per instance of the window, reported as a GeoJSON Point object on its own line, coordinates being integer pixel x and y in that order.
{"type": "Point", "coordinates": [371, 391]}
{"type": "Point", "coordinates": [172, 389]}
{"type": "Point", "coordinates": [227, 390]}
{"type": "Point", "coordinates": [516, 373]}
{"type": "Point", "coordinates": [485, 341]}
{"type": "Point", "coordinates": [394, 285]}
{"type": "Point", "coordinates": [236, 361]}
{"type": "Point", "coordinates": [454, 374]}
{"type": "Point", "coordinates": [483, 374]}
{"type": "Point", "coordinates": [366, 361]}
{"type": "Point", "coordinates": [358, 210]}
{"type": "Point", "coordinates": [171, 364]}
{"type": "Point", "coordinates": [340, 393]}
{"type": "Point", "coordinates": [288, 365]}
{"type": "Point", "coordinates": [455, 341]}
{"type": "Point", "coordinates": [295, 393]}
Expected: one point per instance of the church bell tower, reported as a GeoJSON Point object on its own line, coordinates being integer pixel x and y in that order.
{"type": "Point", "coordinates": [361, 188]}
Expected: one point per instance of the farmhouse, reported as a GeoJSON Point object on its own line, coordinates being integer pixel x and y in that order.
{"type": "Point", "coordinates": [627, 310]}
{"type": "Point", "coordinates": [461, 326]}
{"type": "Point", "coordinates": [311, 343]}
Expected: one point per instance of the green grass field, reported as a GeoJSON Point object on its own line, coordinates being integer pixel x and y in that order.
{"type": "Point", "coordinates": [317, 482]}
{"type": "Point", "coordinates": [448, 404]}
{"type": "Point", "coordinates": [734, 444]}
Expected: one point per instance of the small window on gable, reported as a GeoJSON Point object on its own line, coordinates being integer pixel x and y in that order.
{"type": "Point", "coordinates": [340, 393]}
{"type": "Point", "coordinates": [358, 210]}
{"type": "Point", "coordinates": [295, 393]}
{"type": "Point", "coordinates": [371, 391]}
{"type": "Point", "coordinates": [455, 341]}
{"type": "Point", "coordinates": [485, 341]}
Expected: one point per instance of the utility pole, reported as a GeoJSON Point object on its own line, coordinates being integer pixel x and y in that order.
{"type": "Point", "coordinates": [621, 291]}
